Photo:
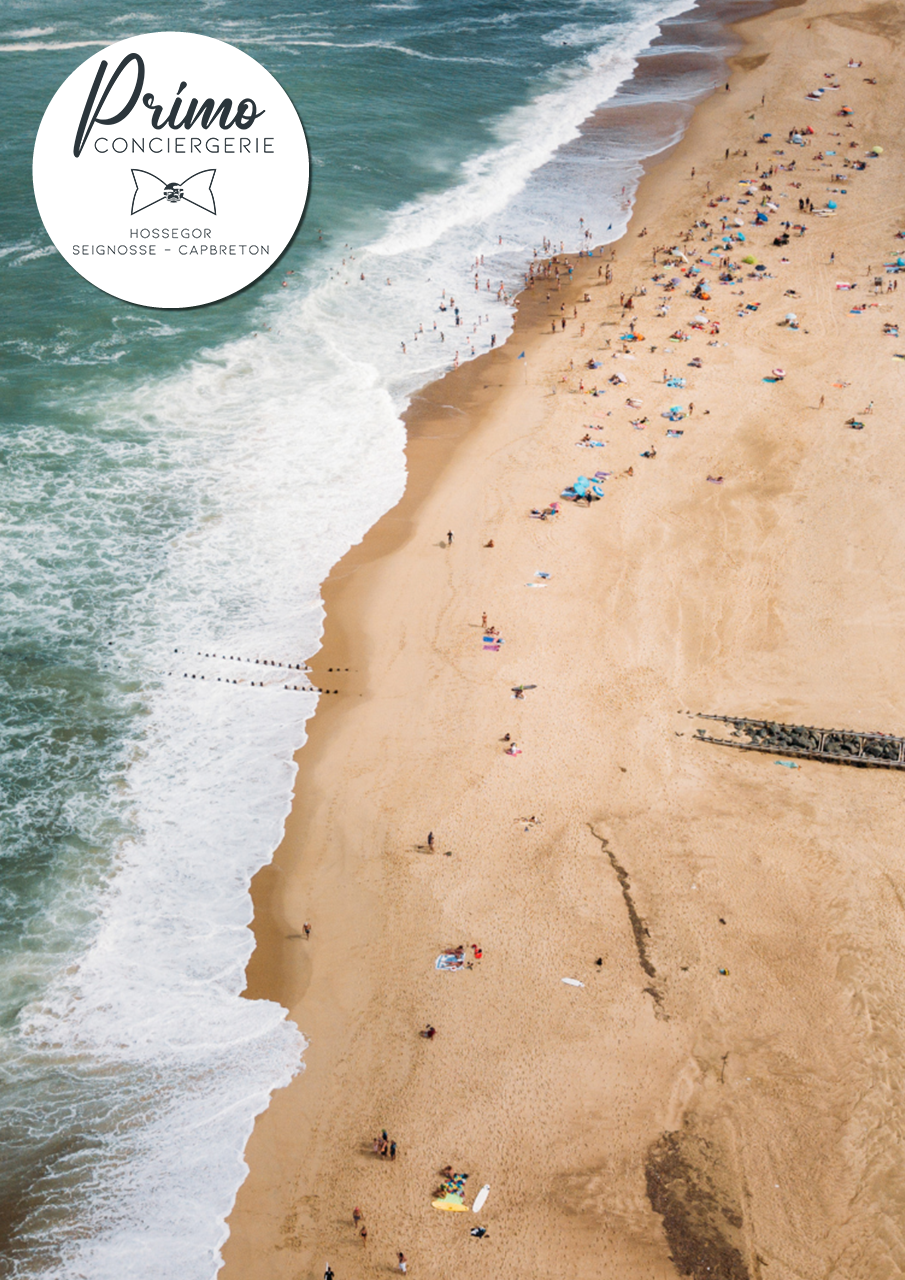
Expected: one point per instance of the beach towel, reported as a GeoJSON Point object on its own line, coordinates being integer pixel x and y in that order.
{"type": "Point", "coordinates": [449, 962]}
{"type": "Point", "coordinates": [452, 1202]}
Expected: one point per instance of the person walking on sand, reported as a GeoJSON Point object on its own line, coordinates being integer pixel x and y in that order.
{"type": "Point", "coordinates": [356, 1216]}
{"type": "Point", "coordinates": [393, 1150]}
{"type": "Point", "coordinates": [484, 621]}
{"type": "Point", "coordinates": [402, 1264]}
{"type": "Point", "coordinates": [307, 928]}
{"type": "Point", "coordinates": [364, 1234]}
{"type": "Point", "coordinates": [430, 842]}
{"type": "Point", "coordinates": [449, 538]}
{"type": "Point", "coordinates": [328, 1274]}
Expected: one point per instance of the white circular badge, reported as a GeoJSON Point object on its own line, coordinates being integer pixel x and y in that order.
{"type": "Point", "coordinates": [171, 170]}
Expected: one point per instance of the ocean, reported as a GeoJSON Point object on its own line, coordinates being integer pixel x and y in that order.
{"type": "Point", "coordinates": [176, 485]}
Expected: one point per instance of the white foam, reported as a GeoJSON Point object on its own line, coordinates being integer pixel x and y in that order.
{"type": "Point", "coordinates": [38, 46]}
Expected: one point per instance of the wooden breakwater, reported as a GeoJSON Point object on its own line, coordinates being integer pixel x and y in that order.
{"type": "Point", "coordinates": [838, 746]}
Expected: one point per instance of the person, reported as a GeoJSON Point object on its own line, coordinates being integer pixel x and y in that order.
{"type": "Point", "coordinates": [449, 538]}
{"type": "Point", "coordinates": [478, 953]}
{"type": "Point", "coordinates": [364, 1234]}
{"type": "Point", "coordinates": [392, 1150]}
{"type": "Point", "coordinates": [430, 845]}
{"type": "Point", "coordinates": [402, 1263]}
{"type": "Point", "coordinates": [484, 621]}
{"type": "Point", "coordinates": [307, 927]}
{"type": "Point", "coordinates": [328, 1274]}
{"type": "Point", "coordinates": [599, 962]}
{"type": "Point", "coordinates": [480, 1232]}
{"type": "Point", "coordinates": [356, 1216]}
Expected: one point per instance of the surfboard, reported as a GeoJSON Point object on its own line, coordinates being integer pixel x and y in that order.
{"type": "Point", "coordinates": [481, 1198]}
{"type": "Point", "coordinates": [573, 982]}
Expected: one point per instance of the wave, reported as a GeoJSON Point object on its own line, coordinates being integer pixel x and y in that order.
{"type": "Point", "coordinates": [36, 46]}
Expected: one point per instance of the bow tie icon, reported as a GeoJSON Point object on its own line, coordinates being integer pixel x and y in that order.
{"type": "Point", "coordinates": [198, 190]}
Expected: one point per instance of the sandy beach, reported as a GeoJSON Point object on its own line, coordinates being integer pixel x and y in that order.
{"type": "Point", "coordinates": [722, 1096]}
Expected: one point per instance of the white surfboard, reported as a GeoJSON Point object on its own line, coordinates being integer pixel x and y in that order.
{"type": "Point", "coordinates": [573, 982]}
{"type": "Point", "coordinates": [481, 1198]}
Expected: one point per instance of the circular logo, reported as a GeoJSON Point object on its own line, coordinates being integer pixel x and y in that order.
{"type": "Point", "coordinates": [171, 170]}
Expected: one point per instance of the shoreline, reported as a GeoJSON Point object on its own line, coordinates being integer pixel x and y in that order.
{"type": "Point", "coordinates": [360, 1012]}
{"type": "Point", "coordinates": [443, 405]}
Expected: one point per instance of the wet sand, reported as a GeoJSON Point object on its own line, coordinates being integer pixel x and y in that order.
{"type": "Point", "coordinates": [722, 1096]}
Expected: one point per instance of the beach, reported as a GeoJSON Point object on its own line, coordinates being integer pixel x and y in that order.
{"type": "Point", "coordinates": [720, 1095]}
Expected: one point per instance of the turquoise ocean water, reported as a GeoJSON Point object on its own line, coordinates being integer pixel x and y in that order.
{"type": "Point", "coordinates": [175, 487]}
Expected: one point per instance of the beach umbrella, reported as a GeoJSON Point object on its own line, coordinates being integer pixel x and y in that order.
{"type": "Point", "coordinates": [831, 204]}
{"type": "Point", "coordinates": [791, 317]}
{"type": "Point", "coordinates": [779, 373]}
{"type": "Point", "coordinates": [749, 260]}
{"type": "Point", "coordinates": [760, 267]}
{"type": "Point", "coordinates": [768, 135]}
{"type": "Point", "coordinates": [740, 236]}
{"type": "Point", "coordinates": [701, 319]}
{"type": "Point", "coordinates": [900, 262]}
{"type": "Point", "coordinates": [878, 151]}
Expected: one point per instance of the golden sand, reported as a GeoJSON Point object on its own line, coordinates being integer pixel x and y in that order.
{"type": "Point", "coordinates": [668, 1116]}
